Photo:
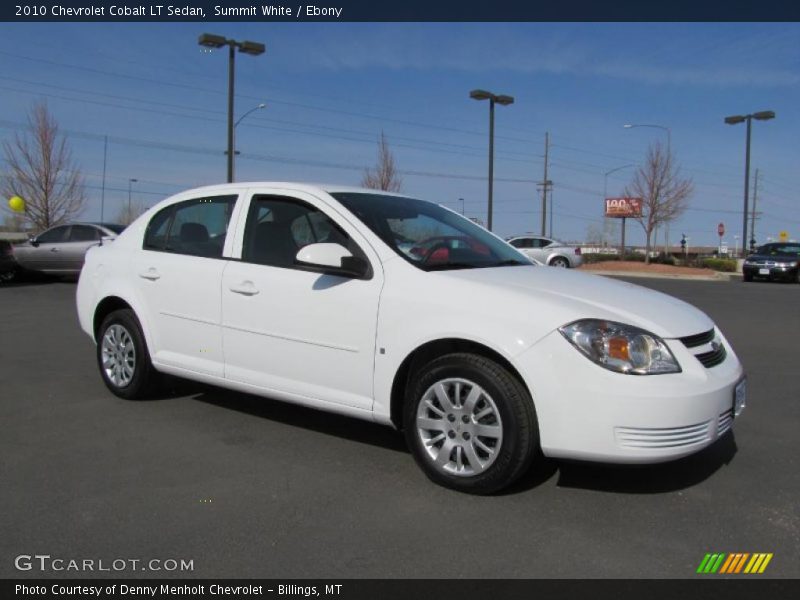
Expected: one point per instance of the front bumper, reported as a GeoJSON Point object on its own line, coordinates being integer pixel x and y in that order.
{"type": "Point", "coordinates": [586, 412]}
{"type": "Point", "coordinates": [772, 272]}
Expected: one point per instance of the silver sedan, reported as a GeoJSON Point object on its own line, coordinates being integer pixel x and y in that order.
{"type": "Point", "coordinates": [548, 251]}
{"type": "Point", "coordinates": [60, 250]}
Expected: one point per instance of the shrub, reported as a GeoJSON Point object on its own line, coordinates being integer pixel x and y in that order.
{"type": "Point", "coordinates": [720, 264]}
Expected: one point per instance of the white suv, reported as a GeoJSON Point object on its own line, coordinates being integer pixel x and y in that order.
{"type": "Point", "coordinates": [403, 312]}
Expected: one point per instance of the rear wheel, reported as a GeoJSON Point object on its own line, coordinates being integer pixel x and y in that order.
{"type": "Point", "coordinates": [560, 261]}
{"type": "Point", "coordinates": [123, 358]}
{"type": "Point", "coordinates": [470, 424]}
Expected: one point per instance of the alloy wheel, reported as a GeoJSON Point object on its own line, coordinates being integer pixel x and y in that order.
{"type": "Point", "coordinates": [459, 426]}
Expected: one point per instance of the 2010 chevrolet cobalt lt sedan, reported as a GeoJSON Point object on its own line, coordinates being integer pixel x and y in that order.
{"type": "Point", "coordinates": [335, 298]}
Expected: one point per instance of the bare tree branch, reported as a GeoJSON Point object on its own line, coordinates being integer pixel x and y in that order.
{"type": "Point", "coordinates": [664, 192]}
{"type": "Point", "coordinates": [384, 176]}
{"type": "Point", "coordinates": [40, 169]}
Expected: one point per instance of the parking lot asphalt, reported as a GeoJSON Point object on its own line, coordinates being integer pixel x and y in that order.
{"type": "Point", "coordinates": [249, 487]}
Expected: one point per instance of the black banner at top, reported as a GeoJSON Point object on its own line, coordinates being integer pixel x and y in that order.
{"type": "Point", "coordinates": [401, 10]}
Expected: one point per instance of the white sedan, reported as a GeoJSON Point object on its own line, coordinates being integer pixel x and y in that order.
{"type": "Point", "coordinates": [342, 299]}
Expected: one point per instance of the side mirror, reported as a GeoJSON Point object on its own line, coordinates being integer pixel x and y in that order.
{"type": "Point", "coordinates": [33, 241]}
{"type": "Point", "coordinates": [333, 259]}
{"type": "Point", "coordinates": [106, 239]}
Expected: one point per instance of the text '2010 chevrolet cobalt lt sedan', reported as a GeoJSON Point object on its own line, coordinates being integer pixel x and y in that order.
{"type": "Point", "coordinates": [333, 298]}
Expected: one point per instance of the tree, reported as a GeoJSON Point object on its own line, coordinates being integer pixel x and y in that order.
{"type": "Point", "coordinates": [384, 176]}
{"type": "Point", "coordinates": [665, 194]}
{"type": "Point", "coordinates": [128, 213]}
{"type": "Point", "coordinates": [602, 235]}
{"type": "Point", "coordinates": [40, 169]}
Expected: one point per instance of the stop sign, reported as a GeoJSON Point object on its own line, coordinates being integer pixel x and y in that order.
{"type": "Point", "coordinates": [721, 229]}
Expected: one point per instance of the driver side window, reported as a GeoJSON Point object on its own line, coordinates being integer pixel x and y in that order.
{"type": "Point", "coordinates": [54, 235]}
{"type": "Point", "coordinates": [277, 228]}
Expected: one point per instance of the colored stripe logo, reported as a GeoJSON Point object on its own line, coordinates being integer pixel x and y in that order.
{"type": "Point", "coordinates": [734, 563]}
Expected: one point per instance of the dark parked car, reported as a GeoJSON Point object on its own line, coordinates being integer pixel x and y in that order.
{"type": "Point", "coordinates": [60, 250]}
{"type": "Point", "coordinates": [8, 265]}
{"type": "Point", "coordinates": [773, 261]}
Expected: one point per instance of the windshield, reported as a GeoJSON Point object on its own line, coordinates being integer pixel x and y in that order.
{"type": "Point", "coordinates": [780, 250]}
{"type": "Point", "coordinates": [428, 236]}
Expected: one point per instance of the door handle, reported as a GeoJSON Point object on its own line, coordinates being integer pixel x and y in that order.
{"type": "Point", "coordinates": [53, 249]}
{"type": "Point", "coordinates": [150, 274]}
{"type": "Point", "coordinates": [246, 288]}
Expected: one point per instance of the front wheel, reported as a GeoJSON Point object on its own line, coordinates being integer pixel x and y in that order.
{"type": "Point", "coordinates": [470, 424]}
{"type": "Point", "coordinates": [560, 261]}
{"type": "Point", "coordinates": [123, 358]}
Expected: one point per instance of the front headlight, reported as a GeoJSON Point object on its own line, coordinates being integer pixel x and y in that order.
{"type": "Point", "coordinates": [791, 265]}
{"type": "Point", "coordinates": [621, 348]}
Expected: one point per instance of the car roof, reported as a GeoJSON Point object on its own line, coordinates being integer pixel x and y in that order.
{"type": "Point", "coordinates": [292, 185]}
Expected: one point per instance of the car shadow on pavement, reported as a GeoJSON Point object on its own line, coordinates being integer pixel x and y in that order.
{"type": "Point", "coordinates": [294, 415]}
{"type": "Point", "coordinates": [650, 479]}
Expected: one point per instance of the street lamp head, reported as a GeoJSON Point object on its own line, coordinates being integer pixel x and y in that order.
{"type": "Point", "coordinates": [735, 119]}
{"type": "Point", "coordinates": [627, 126]}
{"type": "Point", "coordinates": [262, 105]}
{"type": "Point", "coordinates": [252, 48]}
{"type": "Point", "coordinates": [764, 115]}
{"type": "Point", "coordinates": [504, 100]}
{"type": "Point", "coordinates": [209, 40]}
{"type": "Point", "coordinates": [480, 95]}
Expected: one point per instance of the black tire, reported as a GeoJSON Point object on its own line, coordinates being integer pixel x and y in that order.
{"type": "Point", "coordinates": [145, 379]}
{"type": "Point", "coordinates": [560, 262]}
{"type": "Point", "coordinates": [520, 434]}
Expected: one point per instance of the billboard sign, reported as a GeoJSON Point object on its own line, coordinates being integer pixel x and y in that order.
{"type": "Point", "coordinates": [623, 207]}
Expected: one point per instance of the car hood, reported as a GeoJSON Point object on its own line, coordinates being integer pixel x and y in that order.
{"type": "Point", "coordinates": [560, 296]}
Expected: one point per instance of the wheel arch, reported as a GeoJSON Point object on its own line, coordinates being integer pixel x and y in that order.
{"type": "Point", "coordinates": [430, 350]}
{"type": "Point", "coordinates": [104, 308]}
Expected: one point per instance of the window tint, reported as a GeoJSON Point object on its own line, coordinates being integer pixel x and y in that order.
{"type": "Point", "coordinates": [84, 233]}
{"type": "Point", "coordinates": [196, 227]}
{"type": "Point", "coordinates": [522, 243]}
{"type": "Point", "coordinates": [54, 235]}
{"type": "Point", "coordinates": [277, 228]}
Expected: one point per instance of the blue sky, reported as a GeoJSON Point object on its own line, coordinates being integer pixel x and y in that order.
{"type": "Point", "coordinates": [332, 88]}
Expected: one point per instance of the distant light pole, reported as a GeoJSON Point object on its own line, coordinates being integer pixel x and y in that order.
{"type": "Point", "coordinates": [209, 40]}
{"type": "Point", "coordinates": [662, 127]}
{"type": "Point", "coordinates": [764, 115]}
{"type": "Point", "coordinates": [607, 173]}
{"type": "Point", "coordinates": [503, 100]}
{"type": "Point", "coordinates": [461, 200]}
{"type": "Point", "coordinates": [130, 184]}
{"type": "Point", "coordinates": [235, 125]}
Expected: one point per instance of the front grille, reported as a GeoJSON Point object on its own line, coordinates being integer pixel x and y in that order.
{"type": "Point", "coordinates": [699, 339]}
{"type": "Point", "coordinates": [725, 421]}
{"type": "Point", "coordinates": [670, 437]}
{"type": "Point", "coordinates": [713, 358]}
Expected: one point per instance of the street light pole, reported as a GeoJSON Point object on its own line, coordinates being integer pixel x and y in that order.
{"type": "Point", "coordinates": [235, 125]}
{"type": "Point", "coordinates": [664, 128]}
{"type": "Point", "coordinates": [212, 41]}
{"type": "Point", "coordinates": [130, 183]}
{"type": "Point", "coordinates": [763, 115]}
{"type": "Point", "coordinates": [503, 100]}
{"type": "Point", "coordinates": [461, 200]}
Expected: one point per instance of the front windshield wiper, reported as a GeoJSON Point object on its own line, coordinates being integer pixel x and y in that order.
{"type": "Point", "coordinates": [462, 265]}
{"type": "Point", "coordinates": [510, 262]}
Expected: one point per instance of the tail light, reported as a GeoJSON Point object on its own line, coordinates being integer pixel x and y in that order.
{"type": "Point", "coordinates": [578, 251]}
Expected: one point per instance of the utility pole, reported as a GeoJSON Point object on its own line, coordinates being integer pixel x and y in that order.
{"type": "Point", "coordinates": [753, 216]}
{"type": "Point", "coordinates": [545, 181]}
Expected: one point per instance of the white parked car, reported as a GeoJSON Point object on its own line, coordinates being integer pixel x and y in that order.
{"type": "Point", "coordinates": [548, 251]}
{"type": "Point", "coordinates": [342, 299]}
